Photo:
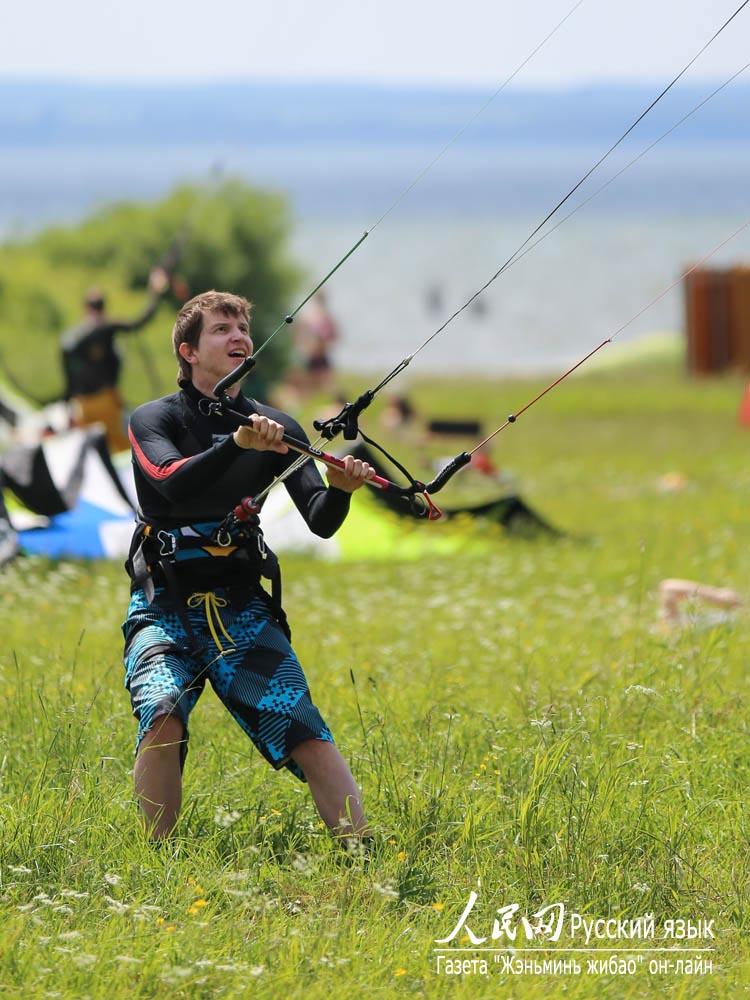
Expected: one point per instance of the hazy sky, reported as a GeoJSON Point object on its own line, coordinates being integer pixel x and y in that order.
{"type": "Point", "coordinates": [420, 41]}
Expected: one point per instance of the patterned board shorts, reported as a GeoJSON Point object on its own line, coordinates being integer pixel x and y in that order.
{"type": "Point", "coordinates": [243, 653]}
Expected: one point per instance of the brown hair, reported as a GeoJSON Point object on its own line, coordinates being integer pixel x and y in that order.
{"type": "Point", "coordinates": [189, 322]}
{"type": "Point", "coordinates": [94, 300]}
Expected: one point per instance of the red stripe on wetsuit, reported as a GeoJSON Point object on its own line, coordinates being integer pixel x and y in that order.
{"type": "Point", "coordinates": [155, 471]}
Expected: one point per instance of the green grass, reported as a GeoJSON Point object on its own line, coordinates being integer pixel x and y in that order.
{"type": "Point", "coordinates": [513, 716]}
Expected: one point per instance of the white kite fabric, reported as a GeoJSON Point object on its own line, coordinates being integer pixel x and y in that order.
{"type": "Point", "coordinates": [79, 502]}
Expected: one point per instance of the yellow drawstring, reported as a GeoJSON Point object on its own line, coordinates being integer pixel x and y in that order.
{"type": "Point", "coordinates": [211, 604]}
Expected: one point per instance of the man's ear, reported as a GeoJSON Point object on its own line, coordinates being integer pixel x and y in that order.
{"type": "Point", "coordinates": [187, 352]}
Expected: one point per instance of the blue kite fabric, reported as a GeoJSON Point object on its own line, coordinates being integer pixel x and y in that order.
{"type": "Point", "coordinates": [77, 503]}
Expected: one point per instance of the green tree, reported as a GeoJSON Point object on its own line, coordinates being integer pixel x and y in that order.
{"type": "Point", "coordinates": [229, 236]}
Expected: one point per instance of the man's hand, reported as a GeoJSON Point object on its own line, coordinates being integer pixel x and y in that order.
{"type": "Point", "coordinates": [158, 281]}
{"type": "Point", "coordinates": [354, 474]}
{"type": "Point", "coordinates": [264, 435]}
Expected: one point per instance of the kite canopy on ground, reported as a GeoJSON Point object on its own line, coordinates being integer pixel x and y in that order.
{"type": "Point", "coordinates": [75, 503]}
{"type": "Point", "coordinates": [9, 546]}
{"type": "Point", "coordinates": [78, 503]}
{"type": "Point", "coordinates": [509, 511]}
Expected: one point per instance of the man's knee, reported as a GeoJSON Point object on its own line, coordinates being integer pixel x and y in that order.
{"type": "Point", "coordinates": [166, 735]}
{"type": "Point", "coordinates": [313, 750]}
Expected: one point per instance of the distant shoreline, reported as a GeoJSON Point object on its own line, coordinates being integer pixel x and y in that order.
{"type": "Point", "coordinates": [63, 113]}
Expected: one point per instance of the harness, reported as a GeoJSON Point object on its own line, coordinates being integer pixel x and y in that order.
{"type": "Point", "coordinates": [159, 550]}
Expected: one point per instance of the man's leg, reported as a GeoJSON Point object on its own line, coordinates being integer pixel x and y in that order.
{"type": "Point", "coordinates": [333, 788]}
{"type": "Point", "coordinates": [673, 592]}
{"type": "Point", "coordinates": [158, 777]}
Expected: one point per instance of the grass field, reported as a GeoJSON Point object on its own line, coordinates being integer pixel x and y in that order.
{"type": "Point", "coordinates": [520, 725]}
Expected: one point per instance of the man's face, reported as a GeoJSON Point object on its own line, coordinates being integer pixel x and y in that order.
{"type": "Point", "coordinates": [223, 344]}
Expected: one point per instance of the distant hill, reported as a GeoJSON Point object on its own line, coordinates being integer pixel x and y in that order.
{"type": "Point", "coordinates": [64, 114]}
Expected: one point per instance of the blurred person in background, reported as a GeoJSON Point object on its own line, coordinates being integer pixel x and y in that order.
{"type": "Point", "coordinates": [92, 363]}
{"type": "Point", "coordinates": [674, 594]}
{"type": "Point", "coordinates": [317, 332]}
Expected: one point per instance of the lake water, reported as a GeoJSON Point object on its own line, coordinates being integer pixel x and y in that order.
{"type": "Point", "coordinates": [447, 237]}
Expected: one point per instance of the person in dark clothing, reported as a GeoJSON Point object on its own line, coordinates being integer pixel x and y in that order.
{"type": "Point", "coordinates": [91, 362]}
{"type": "Point", "coordinates": [198, 610]}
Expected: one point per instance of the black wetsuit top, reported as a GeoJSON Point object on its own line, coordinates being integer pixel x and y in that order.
{"type": "Point", "coordinates": [188, 470]}
{"type": "Point", "coordinates": [91, 361]}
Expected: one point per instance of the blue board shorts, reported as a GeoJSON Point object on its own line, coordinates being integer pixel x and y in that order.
{"type": "Point", "coordinates": [238, 646]}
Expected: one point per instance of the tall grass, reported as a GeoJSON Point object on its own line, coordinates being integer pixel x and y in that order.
{"type": "Point", "coordinates": [520, 724]}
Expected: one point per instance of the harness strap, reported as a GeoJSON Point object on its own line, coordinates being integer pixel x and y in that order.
{"type": "Point", "coordinates": [173, 589]}
{"type": "Point", "coordinates": [165, 548]}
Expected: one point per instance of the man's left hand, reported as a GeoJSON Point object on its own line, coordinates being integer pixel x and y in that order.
{"type": "Point", "coordinates": [354, 474]}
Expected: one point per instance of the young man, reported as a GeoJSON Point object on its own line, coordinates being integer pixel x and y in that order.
{"type": "Point", "coordinates": [91, 362]}
{"type": "Point", "coordinates": [198, 611]}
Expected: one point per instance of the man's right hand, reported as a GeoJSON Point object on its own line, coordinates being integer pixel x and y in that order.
{"type": "Point", "coordinates": [158, 281]}
{"type": "Point", "coordinates": [264, 435]}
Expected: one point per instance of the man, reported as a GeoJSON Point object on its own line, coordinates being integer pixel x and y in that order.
{"type": "Point", "coordinates": [672, 594]}
{"type": "Point", "coordinates": [198, 610]}
{"type": "Point", "coordinates": [316, 336]}
{"type": "Point", "coordinates": [91, 361]}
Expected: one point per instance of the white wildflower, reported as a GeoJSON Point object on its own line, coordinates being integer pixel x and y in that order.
{"type": "Point", "coordinates": [177, 972]}
{"type": "Point", "coordinates": [387, 890]}
{"type": "Point", "coordinates": [83, 961]}
{"type": "Point", "coordinates": [302, 864]}
{"type": "Point", "coordinates": [116, 905]}
{"type": "Point", "coordinates": [225, 817]}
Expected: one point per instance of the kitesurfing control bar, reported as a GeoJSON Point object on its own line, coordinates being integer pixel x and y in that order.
{"type": "Point", "coordinates": [417, 492]}
{"type": "Point", "coordinates": [223, 405]}
{"type": "Point", "coordinates": [332, 461]}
